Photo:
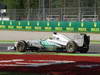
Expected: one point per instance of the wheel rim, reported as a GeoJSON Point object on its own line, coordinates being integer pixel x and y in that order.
{"type": "Point", "coordinates": [70, 48]}
{"type": "Point", "coordinates": [20, 47]}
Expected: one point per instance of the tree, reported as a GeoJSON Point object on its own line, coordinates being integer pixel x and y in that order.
{"type": "Point", "coordinates": [20, 4]}
{"type": "Point", "coordinates": [11, 4]}
{"type": "Point", "coordinates": [57, 3]}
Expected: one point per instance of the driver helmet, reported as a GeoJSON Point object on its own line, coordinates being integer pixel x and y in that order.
{"type": "Point", "coordinates": [55, 33]}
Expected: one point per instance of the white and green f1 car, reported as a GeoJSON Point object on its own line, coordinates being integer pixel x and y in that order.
{"type": "Point", "coordinates": [57, 42]}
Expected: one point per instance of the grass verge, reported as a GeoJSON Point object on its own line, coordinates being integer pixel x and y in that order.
{"type": "Point", "coordinates": [52, 53]}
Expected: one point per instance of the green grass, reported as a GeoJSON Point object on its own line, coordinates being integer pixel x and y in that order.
{"type": "Point", "coordinates": [13, 53]}
{"type": "Point", "coordinates": [79, 54]}
{"type": "Point", "coordinates": [52, 53]}
{"type": "Point", "coordinates": [95, 41]}
{"type": "Point", "coordinates": [7, 41]}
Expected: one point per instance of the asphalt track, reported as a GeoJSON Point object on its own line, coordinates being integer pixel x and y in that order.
{"type": "Point", "coordinates": [94, 48]}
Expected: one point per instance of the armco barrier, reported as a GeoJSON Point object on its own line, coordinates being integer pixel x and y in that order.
{"type": "Point", "coordinates": [51, 26]}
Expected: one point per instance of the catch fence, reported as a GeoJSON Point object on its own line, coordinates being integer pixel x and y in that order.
{"type": "Point", "coordinates": [53, 14]}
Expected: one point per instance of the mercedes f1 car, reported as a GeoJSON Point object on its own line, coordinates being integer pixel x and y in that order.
{"type": "Point", "coordinates": [57, 42]}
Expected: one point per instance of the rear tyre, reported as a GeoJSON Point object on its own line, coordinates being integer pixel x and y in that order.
{"type": "Point", "coordinates": [21, 46]}
{"type": "Point", "coordinates": [71, 47]}
{"type": "Point", "coordinates": [84, 49]}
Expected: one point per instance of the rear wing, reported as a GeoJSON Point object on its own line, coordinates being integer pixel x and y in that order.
{"type": "Point", "coordinates": [82, 39]}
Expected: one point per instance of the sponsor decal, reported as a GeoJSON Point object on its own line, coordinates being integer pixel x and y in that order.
{"type": "Point", "coordinates": [28, 27]}
{"type": "Point", "coordinates": [95, 29]}
{"type": "Point", "coordinates": [37, 28]}
{"type": "Point", "coordinates": [32, 63]}
{"type": "Point", "coordinates": [70, 29]}
{"type": "Point", "coordinates": [48, 28]}
{"type": "Point", "coordinates": [19, 27]}
{"type": "Point", "coordinates": [82, 29]}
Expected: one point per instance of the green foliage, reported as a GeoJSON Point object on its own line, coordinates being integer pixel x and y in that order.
{"type": "Point", "coordinates": [10, 3]}
{"type": "Point", "coordinates": [35, 4]}
{"type": "Point", "coordinates": [20, 4]}
{"type": "Point", "coordinates": [57, 3]}
{"type": "Point", "coordinates": [25, 4]}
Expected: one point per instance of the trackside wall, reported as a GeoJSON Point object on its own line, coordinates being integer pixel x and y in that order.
{"type": "Point", "coordinates": [63, 26]}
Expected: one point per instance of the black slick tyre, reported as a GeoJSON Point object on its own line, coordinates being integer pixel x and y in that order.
{"type": "Point", "coordinates": [21, 46]}
{"type": "Point", "coordinates": [71, 47]}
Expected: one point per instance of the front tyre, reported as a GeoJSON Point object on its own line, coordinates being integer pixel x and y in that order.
{"type": "Point", "coordinates": [21, 46]}
{"type": "Point", "coordinates": [71, 47]}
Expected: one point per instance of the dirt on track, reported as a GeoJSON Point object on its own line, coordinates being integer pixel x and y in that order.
{"type": "Point", "coordinates": [79, 66]}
